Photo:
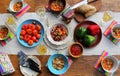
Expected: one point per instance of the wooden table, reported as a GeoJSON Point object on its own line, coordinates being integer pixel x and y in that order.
{"type": "Point", "coordinates": [82, 66]}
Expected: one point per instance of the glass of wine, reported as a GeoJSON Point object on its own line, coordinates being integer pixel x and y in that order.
{"type": "Point", "coordinates": [42, 49]}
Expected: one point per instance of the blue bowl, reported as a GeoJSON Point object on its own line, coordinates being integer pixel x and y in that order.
{"type": "Point", "coordinates": [52, 69]}
{"type": "Point", "coordinates": [22, 42]}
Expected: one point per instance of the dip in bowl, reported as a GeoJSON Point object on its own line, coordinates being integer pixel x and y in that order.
{"type": "Point", "coordinates": [115, 31]}
{"type": "Point", "coordinates": [76, 50]}
{"type": "Point", "coordinates": [56, 6]}
{"type": "Point", "coordinates": [110, 64]}
{"type": "Point", "coordinates": [4, 32]}
{"type": "Point", "coordinates": [16, 5]}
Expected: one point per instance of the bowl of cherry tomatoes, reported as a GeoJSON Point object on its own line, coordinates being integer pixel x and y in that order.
{"type": "Point", "coordinates": [57, 6]}
{"type": "Point", "coordinates": [30, 33]}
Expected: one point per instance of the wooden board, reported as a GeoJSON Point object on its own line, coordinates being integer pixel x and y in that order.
{"type": "Point", "coordinates": [79, 17]}
{"type": "Point", "coordinates": [83, 66]}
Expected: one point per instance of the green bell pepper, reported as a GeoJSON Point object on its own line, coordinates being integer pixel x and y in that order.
{"type": "Point", "coordinates": [88, 40]}
{"type": "Point", "coordinates": [81, 32]}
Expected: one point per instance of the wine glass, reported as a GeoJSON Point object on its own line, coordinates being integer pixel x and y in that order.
{"type": "Point", "coordinates": [40, 11]}
{"type": "Point", "coordinates": [42, 49]}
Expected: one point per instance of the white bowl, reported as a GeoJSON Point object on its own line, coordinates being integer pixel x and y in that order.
{"type": "Point", "coordinates": [12, 4]}
{"type": "Point", "coordinates": [118, 26]}
{"type": "Point", "coordinates": [115, 64]}
{"type": "Point", "coordinates": [62, 42]}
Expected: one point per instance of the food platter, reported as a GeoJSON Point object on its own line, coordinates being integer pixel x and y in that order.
{"type": "Point", "coordinates": [24, 43]}
{"type": "Point", "coordinates": [85, 24]}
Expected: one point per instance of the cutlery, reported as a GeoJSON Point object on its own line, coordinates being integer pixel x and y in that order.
{"type": "Point", "coordinates": [25, 61]}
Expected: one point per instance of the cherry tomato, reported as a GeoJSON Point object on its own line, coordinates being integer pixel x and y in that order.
{"type": "Point", "coordinates": [23, 32]}
{"type": "Point", "coordinates": [30, 42]}
{"type": "Point", "coordinates": [34, 32]}
{"type": "Point", "coordinates": [21, 37]}
{"type": "Point", "coordinates": [34, 38]}
{"type": "Point", "coordinates": [29, 36]}
{"type": "Point", "coordinates": [29, 31]}
{"type": "Point", "coordinates": [24, 27]}
{"type": "Point", "coordinates": [38, 27]}
{"type": "Point", "coordinates": [26, 38]}
{"type": "Point", "coordinates": [31, 26]}
{"type": "Point", "coordinates": [38, 36]}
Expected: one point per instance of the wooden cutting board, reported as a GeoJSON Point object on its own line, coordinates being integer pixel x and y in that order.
{"type": "Point", "coordinates": [80, 17]}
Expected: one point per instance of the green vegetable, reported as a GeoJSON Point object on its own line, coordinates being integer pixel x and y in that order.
{"type": "Point", "coordinates": [88, 40]}
{"type": "Point", "coordinates": [81, 32]}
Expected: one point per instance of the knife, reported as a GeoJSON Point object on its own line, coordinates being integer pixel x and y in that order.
{"type": "Point", "coordinates": [78, 4]}
{"type": "Point", "coordinates": [73, 7]}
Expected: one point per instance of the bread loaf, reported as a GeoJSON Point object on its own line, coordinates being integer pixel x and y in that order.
{"type": "Point", "coordinates": [86, 9]}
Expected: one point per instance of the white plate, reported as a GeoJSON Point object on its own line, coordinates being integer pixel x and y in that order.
{"type": "Point", "coordinates": [57, 47]}
{"type": "Point", "coordinates": [49, 37]}
{"type": "Point", "coordinates": [27, 71]}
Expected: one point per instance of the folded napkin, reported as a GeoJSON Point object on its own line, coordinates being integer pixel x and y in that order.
{"type": "Point", "coordinates": [25, 8]}
{"type": "Point", "coordinates": [98, 63]}
{"type": "Point", "coordinates": [107, 33]}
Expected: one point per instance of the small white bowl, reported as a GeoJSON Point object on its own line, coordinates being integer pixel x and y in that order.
{"type": "Point", "coordinates": [115, 64]}
{"type": "Point", "coordinates": [116, 26]}
{"type": "Point", "coordinates": [12, 3]}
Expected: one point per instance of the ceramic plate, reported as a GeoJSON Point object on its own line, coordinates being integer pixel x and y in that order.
{"type": "Point", "coordinates": [57, 47]}
{"type": "Point", "coordinates": [27, 71]}
{"type": "Point", "coordinates": [20, 28]}
{"type": "Point", "coordinates": [86, 24]}
{"type": "Point", "coordinates": [62, 42]}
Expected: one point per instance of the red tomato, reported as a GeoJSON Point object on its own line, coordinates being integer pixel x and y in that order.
{"type": "Point", "coordinates": [38, 36]}
{"type": "Point", "coordinates": [26, 37]}
{"type": "Point", "coordinates": [21, 37]}
{"type": "Point", "coordinates": [30, 42]}
{"type": "Point", "coordinates": [29, 36]}
{"type": "Point", "coordinates": [38, 27]}
{"type": "Point", "coordinates": [29, 31]}
{"type": "Point", "coordinates": [24, 27]}
{"type": "Point", "coordinates": [23, 32]}
{"type": "Point", "coordinates": [34, 38]}
{"type": "Point", "coordinates": [34, 32]}
{"type": "Point", "coordinates": [31, 26]}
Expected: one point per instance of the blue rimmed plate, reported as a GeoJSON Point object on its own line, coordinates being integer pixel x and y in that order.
{"type": "Point", "coordinates": [22, 42]}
